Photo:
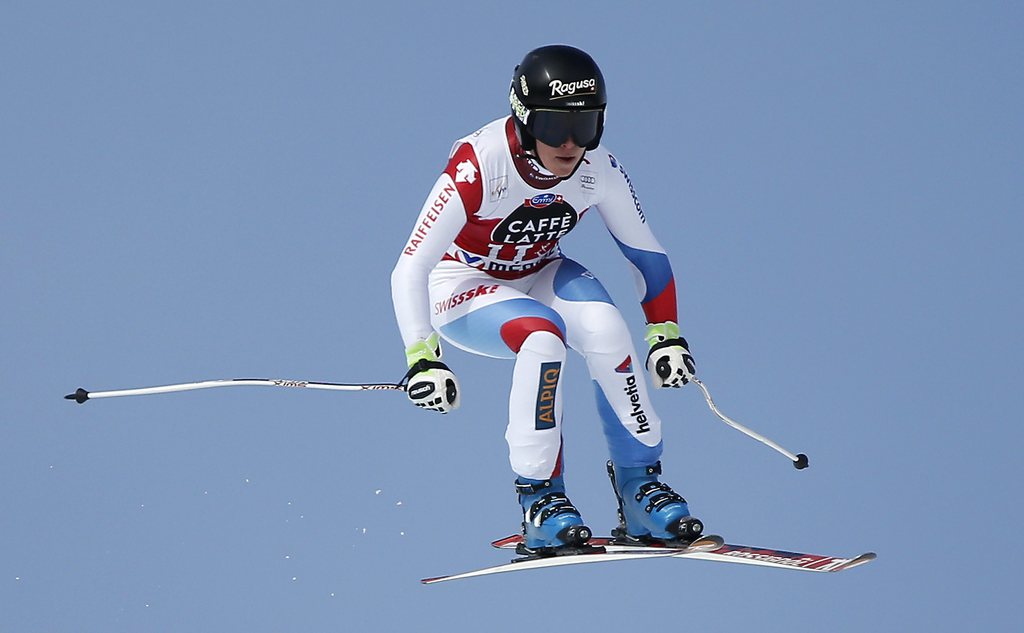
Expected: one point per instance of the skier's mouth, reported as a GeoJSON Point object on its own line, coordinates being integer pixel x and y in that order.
{"type": "Point", "coordinates": [560, 161]}
{"type": "Point", "coordinates": [569, 160]}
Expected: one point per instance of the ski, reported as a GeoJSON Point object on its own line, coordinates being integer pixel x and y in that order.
{"type": "Point", "coordinates": [596, 553]}
{"type": "Point", "coordinates": [780, 559]}
{"type": "Point", "coordinates": [729, 553]}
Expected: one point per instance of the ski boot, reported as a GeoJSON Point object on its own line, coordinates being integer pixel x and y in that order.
{"type": "Point", "coordinates": [551, 524]}
{"type": "Point", "coordinates": [650, 511]}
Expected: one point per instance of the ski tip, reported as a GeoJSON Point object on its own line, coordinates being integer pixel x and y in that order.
{"type": "Point", "coordinates": [866, 557]}
{"type": "Point", "coordinates": [80, 396]}
{"type": "Point", "coordinates": [709, 542]}
{"type": "Point", "coordinates": [801, 462]}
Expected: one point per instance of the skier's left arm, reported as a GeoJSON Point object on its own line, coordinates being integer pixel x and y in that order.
{"type": "Point", "coordinates": [668, 360]}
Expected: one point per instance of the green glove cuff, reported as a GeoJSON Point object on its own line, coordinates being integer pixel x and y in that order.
{"type": "Point", "coordinates": [429, 349]}
{"type": "Point", "coordinates": [657, 332]}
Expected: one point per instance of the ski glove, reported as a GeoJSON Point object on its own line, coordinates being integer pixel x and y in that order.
{"type": "Point", "coordinates": [431, 384]}
{"type": "Point", "coordinates": [669, 361]}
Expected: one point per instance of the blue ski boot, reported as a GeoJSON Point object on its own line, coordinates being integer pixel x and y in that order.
{"type": "Point", "coordinates": [551, 524]}
{"type": "Point", "coordinates": [650, 511]}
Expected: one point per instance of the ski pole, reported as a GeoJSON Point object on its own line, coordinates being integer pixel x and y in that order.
{"type": "Point", "coordinates": [81, 395]}
{"type": "Point", "coordinates": [799, 460]}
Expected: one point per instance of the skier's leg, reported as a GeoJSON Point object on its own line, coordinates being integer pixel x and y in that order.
{"type": "Point", "coordinates": [596, 329]}
{"type": "Point", "coordinates": [500, 320]}
{"type": "Point", "coordinates": [534, 430]}
{"type": "Point", "coordinates": [491, 317]}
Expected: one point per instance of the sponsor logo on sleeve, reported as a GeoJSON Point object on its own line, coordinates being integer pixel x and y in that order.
{"type": "Point", "coordinates": [429, 217]}
{"type": "Point", "coordinates": [632, 192]}
{"type": "Point", "coordinates": [465, 172]}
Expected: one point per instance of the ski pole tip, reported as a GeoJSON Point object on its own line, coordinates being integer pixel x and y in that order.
{"type": "Point", "coordinates": [80, 396]}
{"type": "Point", "coordinates": [801, 462]}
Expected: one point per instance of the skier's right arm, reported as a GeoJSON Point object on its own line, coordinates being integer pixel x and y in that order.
{"type": "Point", "coordinates": [431, 384]}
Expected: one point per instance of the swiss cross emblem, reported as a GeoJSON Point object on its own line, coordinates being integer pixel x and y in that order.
{"type": "Point", "coordinates": [465, 172]}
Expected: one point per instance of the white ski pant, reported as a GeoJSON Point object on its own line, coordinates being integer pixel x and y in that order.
{"type": "Point", "coordinates": [534, 319]}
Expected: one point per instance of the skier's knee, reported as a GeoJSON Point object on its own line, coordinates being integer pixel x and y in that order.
{"type": "Point", "coordinates": [535, 333]}
{"type": "Point", "coordinates": [599, 325]}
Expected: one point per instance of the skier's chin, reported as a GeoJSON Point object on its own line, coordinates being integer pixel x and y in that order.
{"type": "Point", "coordinates": [563, 166]}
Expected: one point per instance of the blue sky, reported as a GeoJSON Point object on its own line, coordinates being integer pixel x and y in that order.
{"type": "Point", "coordinates": [213, 190]}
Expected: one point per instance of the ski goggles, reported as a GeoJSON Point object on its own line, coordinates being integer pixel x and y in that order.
{"type": "Point", "coordinates": [555, 127]}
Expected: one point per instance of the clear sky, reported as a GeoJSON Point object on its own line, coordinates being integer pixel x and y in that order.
{"type": "Point", "coordinates": [196, 190]}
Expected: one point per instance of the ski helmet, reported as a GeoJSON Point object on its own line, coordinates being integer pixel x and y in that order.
{"type": "Point", "coordinates": [558, 92]}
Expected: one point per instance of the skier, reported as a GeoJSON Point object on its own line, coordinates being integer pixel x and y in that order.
{"type": "Point", "coordinates": [483, 268]}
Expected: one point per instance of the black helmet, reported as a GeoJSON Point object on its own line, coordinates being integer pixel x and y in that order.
{"type": "Point", "coordinates": [557, 92]}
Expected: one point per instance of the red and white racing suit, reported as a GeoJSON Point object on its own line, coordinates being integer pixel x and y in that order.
{"type": "Point", "coordinates": [483, 268]}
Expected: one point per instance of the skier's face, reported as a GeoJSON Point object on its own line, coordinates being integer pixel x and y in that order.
{"type": "Point", "coordinates": [562, 160]}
